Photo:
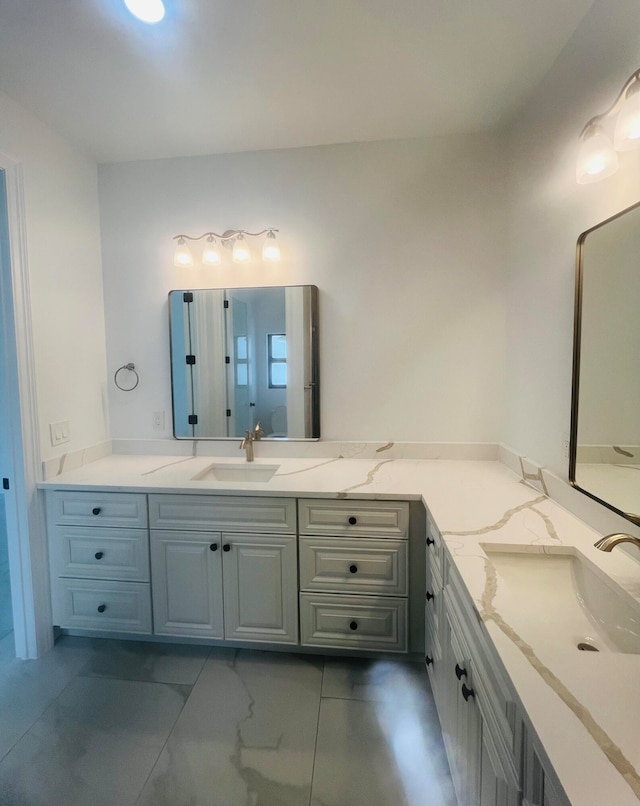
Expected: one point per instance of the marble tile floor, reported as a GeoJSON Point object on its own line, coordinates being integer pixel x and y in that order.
{"type": "Point", "coordinates": [112, 723]}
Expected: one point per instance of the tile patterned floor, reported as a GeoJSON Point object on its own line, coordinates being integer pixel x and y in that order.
{"type": "Point", "coordinates": [112, 723]}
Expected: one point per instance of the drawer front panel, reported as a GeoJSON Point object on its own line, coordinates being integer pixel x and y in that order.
{"type": "Point", "coordinates": [97, 553]}
{"type": "Point", "coordinates": [353, 566]}
{"type": "Point", "coordinates": [99, 605]}
{"type": "Point", "coordinates": [223, 513]}
{"type": "Point", "coordinates": [70, 508]}
{"type": "Point", "coordinates": [434, 546]}
{"type": "Point", "coordinates": [369, 518]}
{"type": "Point", "coordinates": [355, 622]}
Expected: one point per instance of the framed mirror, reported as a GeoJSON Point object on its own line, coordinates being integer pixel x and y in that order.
{"type": "Point", "coordinates": [243, 356]}
{"type": "Point", "coordinates": [605, 418]}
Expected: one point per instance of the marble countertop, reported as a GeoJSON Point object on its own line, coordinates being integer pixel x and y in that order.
{"type": "Point", "coordinates": [582, 705]}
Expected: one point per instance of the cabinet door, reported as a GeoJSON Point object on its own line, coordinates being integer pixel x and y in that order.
{"type": "Point", "coordinates": [260, 588]}
{"type": "Point", "coordinates": [187, 583]}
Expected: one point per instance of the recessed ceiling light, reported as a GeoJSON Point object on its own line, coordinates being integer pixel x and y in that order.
{"type": "Point", "coordinates": [146, 10]}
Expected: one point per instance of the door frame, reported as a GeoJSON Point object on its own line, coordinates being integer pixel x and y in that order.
{"type": "Point", "coordinates": [28, 554]}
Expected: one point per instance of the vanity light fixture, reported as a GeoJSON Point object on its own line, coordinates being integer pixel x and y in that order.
{"type": "Point", "coordinates": [233, 239]}
{"type": "Point", "coordinates": [146, 10]}
{"type": "Point", "coordinates": [597, 157]}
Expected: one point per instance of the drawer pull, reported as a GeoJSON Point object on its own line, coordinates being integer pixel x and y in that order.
{"type": "Point", "coordinates": [429, 596]}
{"type": "Point", "coordinates": [460, 672]}
{"type": "Point", "coordinates": [226, 547]}
{"type": "Point", "coordinates": [428, 660]}
{"type": "Point", "coordinates": [353, 520]}
{"type": "Point", "coordinates": [353, 625]}
{"type": "Point", "coordinates": [102, 608]}
{"type": "Point", "coordinates": [213, 547]}
{"type": "Point", "coordinates": [353, 569]}
{"type": "Point", "coordinates": [96, 510]}
{"type": "Point", "coordinates": [430, 541]}
{"type": "Point", "coordinates": [99, 555]}
{"type": "Point", "coordinates": [467, 692]}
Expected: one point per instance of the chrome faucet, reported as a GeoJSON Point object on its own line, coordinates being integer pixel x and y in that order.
{"type": "Point", "coordinates": [611, 541]}
{"type": "Point", "coordinates": [249, 438]}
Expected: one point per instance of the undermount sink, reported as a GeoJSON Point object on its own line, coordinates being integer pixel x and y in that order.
{"type": "Point", "coordinates": [559, 597]}
{"type": "Point", "coordinates": [236, 471]}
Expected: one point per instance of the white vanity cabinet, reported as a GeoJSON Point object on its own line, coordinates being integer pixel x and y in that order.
{"type": "Point", "coordinates": [99, 557]}
{"type": "Point", "coordinates": [493, 756]}
{"type": "Point", "coordinates": [354, 574]}
{"type": "Point", "coordinates": [224, 567]}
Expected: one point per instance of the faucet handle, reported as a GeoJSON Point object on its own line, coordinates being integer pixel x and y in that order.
{"type": "Point", "coordinates": [258, 433]}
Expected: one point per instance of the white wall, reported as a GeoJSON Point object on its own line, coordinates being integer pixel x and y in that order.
{"type": "Point", "coordinates": [63, 253]}
{"type": "Point", "coordinates": [548, 211]}
{"type": "Point", "coordinates": [405, 240]}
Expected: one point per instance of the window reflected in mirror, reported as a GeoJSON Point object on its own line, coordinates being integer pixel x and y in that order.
{"type": "Point", "coordinates": [243, 356]}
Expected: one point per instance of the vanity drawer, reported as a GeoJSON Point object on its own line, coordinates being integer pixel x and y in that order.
{"type": "Point", "coordinates": [100, 605]}
{"type": "Point", "coordinates": [354, 622]}
{"type": "Point", "coordinates": [100, 553]}
{"type": "Point", "coordinates": [349, 565]}
{"type": "Point", "coordinates": [434, 546]}
{"type": "Point", "coordinates": [369, 518]}
{"type": "Point", "coordinates": [71, 508]}
{"type": "Point", "coordinates": [223, 513]}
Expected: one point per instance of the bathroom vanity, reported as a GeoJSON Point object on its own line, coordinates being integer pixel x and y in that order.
{"type": "Point", "coordinates": [379, 557]}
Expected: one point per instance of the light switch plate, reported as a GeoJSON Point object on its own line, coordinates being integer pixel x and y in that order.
{"type": "Point", "coordinates": [60, 432]}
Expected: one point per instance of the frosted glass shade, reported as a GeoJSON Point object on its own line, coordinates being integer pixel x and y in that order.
{"type": "Point", "coordinates": [240, 253]}
{"type": "Point", "coordinates": [271, 250]}
{"type": "Point", "coordinates": [210, 253]}
{"type": "Point", "coordinates": [146, 10]}
{"type": "Point", "coordinates": [182, 257]}
{"type": "Point", "coordinates": [597, 158]}
{"type": "Point", "coordinates": [627, 133]}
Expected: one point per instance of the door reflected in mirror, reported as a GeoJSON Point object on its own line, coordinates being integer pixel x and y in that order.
{"type": "Point", "coordinates": [243, 356]}
{"type": "Point", "coordinates": [605, 427]}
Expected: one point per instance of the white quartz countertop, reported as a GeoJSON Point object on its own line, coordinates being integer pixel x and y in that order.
{"type": "Point", "coordinates": [583, 706]}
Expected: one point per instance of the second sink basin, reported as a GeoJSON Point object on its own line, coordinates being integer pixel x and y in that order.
{"type": "Point", "coordinates": [236, 471]}
{"type": "Point", "coordinates": [561, 598]}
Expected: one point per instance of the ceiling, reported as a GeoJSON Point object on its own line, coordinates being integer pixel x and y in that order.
{"type": "Point", "coordinates": [234, 75]}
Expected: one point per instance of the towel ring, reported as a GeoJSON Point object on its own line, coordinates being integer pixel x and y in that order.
{"type": "Point", "coordinates": [132, 368]}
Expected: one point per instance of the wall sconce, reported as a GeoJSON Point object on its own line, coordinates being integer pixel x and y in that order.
{"type": "Point", "coordinates": [598, 156]}
{"type": "Point", "coordinates": [233, 239]}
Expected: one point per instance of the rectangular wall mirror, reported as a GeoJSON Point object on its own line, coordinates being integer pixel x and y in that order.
{"type": "Point", "coordinates": [605, 423]}
{"type": "Point", "coordinates": [242, 356]}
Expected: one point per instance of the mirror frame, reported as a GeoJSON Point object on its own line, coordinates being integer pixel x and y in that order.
{"type": "Point", "coordinates": [314, 342]}
{"type": "Point", "coordinates": [575, 381]}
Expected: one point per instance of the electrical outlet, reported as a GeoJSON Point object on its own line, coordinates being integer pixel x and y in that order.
{"type": "Point", "coordinates": [60, 432]}
{"type": "Point", "coordinates": [157, 421]}
{"type": "Point", "coordinates": [565, 446]}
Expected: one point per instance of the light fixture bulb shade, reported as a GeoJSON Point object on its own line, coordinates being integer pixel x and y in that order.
{"type": "Point", "coordinates": [271, 250]}
{"type": "Point", "coordinates": [146, 10]}
{"type": "Point", "coordinates": [627, 133]}
{"type": "Point", "coordinates": [240, 252]}
{"type": "Point", "coordinates": [210, 253]}
{"type": "Point", "coordinates": [597, 158]}
{"type": "Point", "coordinates": [182, 257]}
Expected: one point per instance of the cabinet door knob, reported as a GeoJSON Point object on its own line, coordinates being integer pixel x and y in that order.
{"type": "Point", "coordinates": [96, 510]}
{"type": "Point", "coordinates": [430, 541]}
{"type": "Point", "coordinates": [99, 555]}
{"type": "Point", "coordinates": [429, 596]}
{"type": "Point", "coordinates": [467, 692]}
{"type": "Point", "coordinates": [353, 569]}
{"type": "Point", "coordinates": [428, 660]}
{"type": "Point", "coordinates": [214, 547]}
{"type": "Point", "coordinates": [353, 625]}
{"type": "Point", "coordinates": [102, 608]}
{"type": "Point", "coordinates": [353, 520]}
{"type": "Point", "coordinates": [226, 547]}
{"type": "Point", "coordinates": [460, 672]}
